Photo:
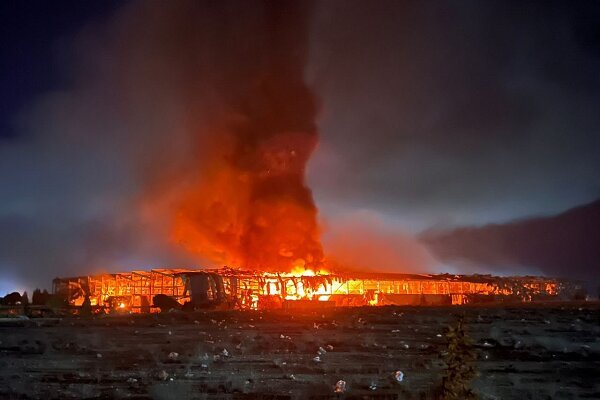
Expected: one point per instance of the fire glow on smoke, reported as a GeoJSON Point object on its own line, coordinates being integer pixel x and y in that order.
{"type": "Point", "coordinates": [249, 205]}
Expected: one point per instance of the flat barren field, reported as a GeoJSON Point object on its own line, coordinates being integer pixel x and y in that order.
{"type": "Point", "coordinates": [539, 351]}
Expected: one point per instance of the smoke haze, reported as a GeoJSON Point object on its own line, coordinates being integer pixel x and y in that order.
{"type": "Point", "coordinates": [362, 241]}
{"type": "Point", "coordinates": [564, 245]}
{"type": "Point", "coordinates": [456, 113]}
{"type": "Point", "coordinates": [181, 132]}
{"type": "Point", "coordinates": [182, 140]}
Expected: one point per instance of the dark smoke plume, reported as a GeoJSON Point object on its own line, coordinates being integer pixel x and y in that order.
{"type": "Point", "coordinates": [247, 203]}
{"type": "Point", "coordinates": [181, 140]}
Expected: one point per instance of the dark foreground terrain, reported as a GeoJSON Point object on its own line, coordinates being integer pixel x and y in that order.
{"type": "Point", "coordinates": [524, 352]}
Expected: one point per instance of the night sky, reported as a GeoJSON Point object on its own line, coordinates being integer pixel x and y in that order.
{"type": "Point", "coordinates": [454, 136]}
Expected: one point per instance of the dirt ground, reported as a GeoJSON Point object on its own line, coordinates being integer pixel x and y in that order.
{"type": "Point", "coordinates": [523, 352]}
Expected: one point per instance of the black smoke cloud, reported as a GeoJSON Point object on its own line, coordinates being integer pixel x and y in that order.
{"type": "Point", "coordinates": [564, 245]}
{"type": "Point", "coordinates": [90, 181]}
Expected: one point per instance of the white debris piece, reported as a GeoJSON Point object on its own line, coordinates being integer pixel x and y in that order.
{"type": "Point", "coordinates": [131, 381]}
{"type": "Point", "coordinates": [518, 345]}
{"type": "Point", "coordinates": [225, 353]}
{"type": "Point", "coordinates": [317, 359]}
{"type": "Point", "coordinates": [373, 386]}
{"type": "Point", "coordinates": [329, 347]}
{"type": "Point", "coordinates": [163, 375]}
{"type": "Point", "coordinates": [173, 356]}
{"type": "Point", "coordinates": [439, 335]}
{"type": "Point", "coordinates": [340, 386]}
{"type": "Point", "coordinates": [399, 376]}
{"type": "Point", "coordinates": [321, 351]}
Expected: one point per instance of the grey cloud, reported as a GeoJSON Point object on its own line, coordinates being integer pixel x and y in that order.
{"type": "Point", "coordinates": [457, 112]}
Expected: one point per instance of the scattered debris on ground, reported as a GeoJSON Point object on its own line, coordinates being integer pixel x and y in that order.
{"type": "Point", "coordinates": [530, 351]}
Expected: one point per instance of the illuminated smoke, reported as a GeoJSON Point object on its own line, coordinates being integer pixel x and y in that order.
{"type": "Point", "coordinates": [181, 139]}
{"type": "Point", "coordinates": [245, 202]}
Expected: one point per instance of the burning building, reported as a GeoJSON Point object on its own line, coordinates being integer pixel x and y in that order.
{"type": "Point", "coordinates": [228, 288]}
{"type": "Point", "coordinates": [233, 191]}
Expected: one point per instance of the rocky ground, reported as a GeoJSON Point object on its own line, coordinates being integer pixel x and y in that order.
{"type": "Point", "coordinates": [523, 352]}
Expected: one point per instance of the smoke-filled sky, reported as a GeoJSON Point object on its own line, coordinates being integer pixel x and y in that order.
{"type": "Point", "coordinates": [429, 116]}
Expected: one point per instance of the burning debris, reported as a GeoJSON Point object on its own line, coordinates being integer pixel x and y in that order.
{"type": "Point", "coordinates": [340, 386]}
{"type": "Point", "coordinates": [226, 288]}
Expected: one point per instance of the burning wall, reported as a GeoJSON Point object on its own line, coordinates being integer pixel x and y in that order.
{"type": "Point", "coordinates": [239, 289]}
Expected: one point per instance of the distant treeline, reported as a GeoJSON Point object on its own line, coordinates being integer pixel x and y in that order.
{"type": "Point", "coordinates": [39, 298]}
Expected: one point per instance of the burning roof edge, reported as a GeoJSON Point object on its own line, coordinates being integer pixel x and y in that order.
{"type": "Point", "coordinates": [346, 275]}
